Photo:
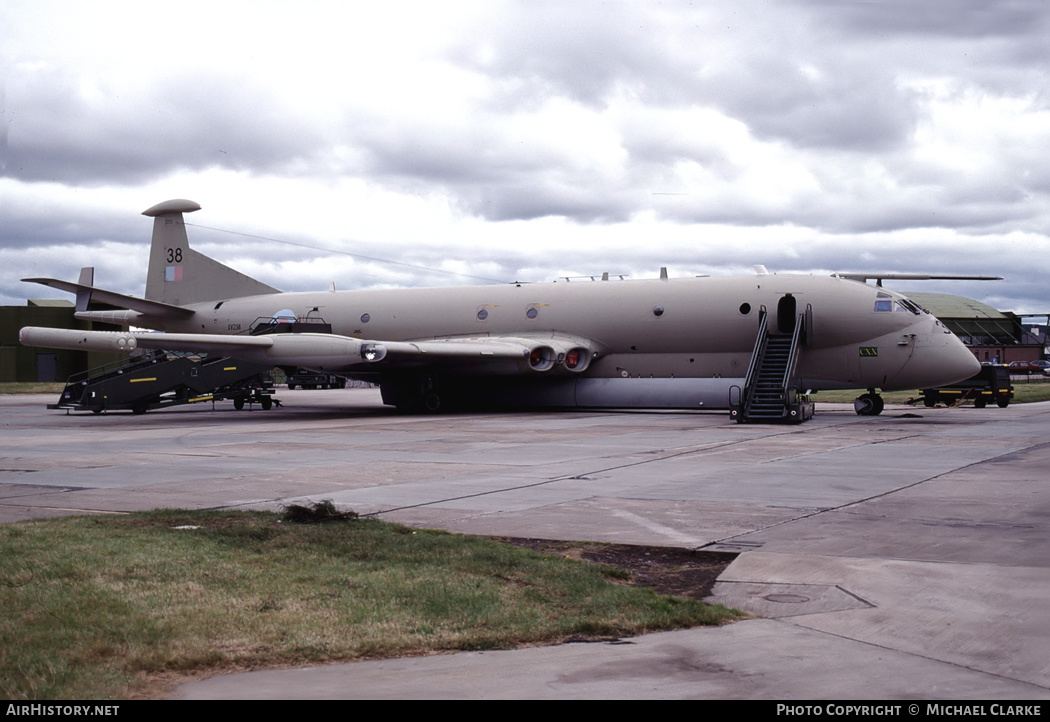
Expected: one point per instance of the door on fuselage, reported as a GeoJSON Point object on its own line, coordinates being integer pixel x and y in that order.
{"type": "Point", "coordinates": [787, 314]}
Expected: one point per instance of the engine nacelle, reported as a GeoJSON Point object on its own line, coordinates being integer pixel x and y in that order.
{"type": "Point", "coordinates": [542, 358]}
{"type": "Point", "coordinates": [576, 359]}
{"type": "Point", "coordinates": [560, 356]}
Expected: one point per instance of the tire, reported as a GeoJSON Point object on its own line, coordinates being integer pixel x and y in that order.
{"type": "Point", "coordinates": [980, 402]}
{"type": "Point", "coordinates": [431, 403]}
{"type": "Point", "coordinates": [238, 403]}
{"type": "Point", "coordinates": [868, 405]}
{"type": "Point", "coordinates": [266, 402]}
{"type": "Point", "coordinates": [1002, 402]}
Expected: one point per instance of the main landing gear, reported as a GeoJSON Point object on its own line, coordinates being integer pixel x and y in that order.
{"type": "Point", "coordinates": [420, 395]}
{"type": "Point", "coordinates": [869, 404]}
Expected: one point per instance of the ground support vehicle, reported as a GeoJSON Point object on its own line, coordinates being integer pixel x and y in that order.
{"type": "Point", "coordinates": [306, 379]}
{"type": "Point", "coordinates": [990, 385]}
{"type": "Point", "coordinates": [160, 379]}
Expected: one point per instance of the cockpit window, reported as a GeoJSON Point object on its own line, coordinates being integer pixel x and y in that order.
{"type": "Point", "coordinates": [881, 306]}
{"type": "Point", "coordinates": [909, 305]}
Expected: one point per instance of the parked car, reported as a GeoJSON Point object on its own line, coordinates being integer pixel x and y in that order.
{"type": "Point", "coordinates": [1030, 367]}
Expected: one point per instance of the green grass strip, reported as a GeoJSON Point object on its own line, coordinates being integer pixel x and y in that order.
{"type": "Point", "coordinates": [119, 606]}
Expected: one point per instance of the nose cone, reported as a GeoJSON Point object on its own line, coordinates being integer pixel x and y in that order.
{"type": "Point", "coordinates": [955, 363]}
{"type": "Point", "coordinates": [938, 359]}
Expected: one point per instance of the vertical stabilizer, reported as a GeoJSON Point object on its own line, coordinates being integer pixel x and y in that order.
{"type": "Point", "coordinates": [178, 275]}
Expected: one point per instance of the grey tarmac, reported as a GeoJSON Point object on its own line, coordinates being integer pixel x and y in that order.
{"type": "Point", "coordinates": [899, 556]}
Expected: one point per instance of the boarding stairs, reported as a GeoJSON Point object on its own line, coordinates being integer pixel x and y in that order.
{"type": "Point", "coordinates": [770, 393]}
{"type": "Point", "coordinates": [158, 379]}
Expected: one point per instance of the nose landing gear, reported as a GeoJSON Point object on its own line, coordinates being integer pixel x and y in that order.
{"type": "Point", "coordinates": [869, 404]}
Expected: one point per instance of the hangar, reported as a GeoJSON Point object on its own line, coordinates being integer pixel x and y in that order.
{"type": "Point", "coordinates": [21, 363]}
{"type": "Point", "coordinates": [992, 335]}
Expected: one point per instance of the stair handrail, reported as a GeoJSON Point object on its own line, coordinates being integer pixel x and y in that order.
{"type": "Point", "coordinates": [145, 358]}
{"type": "Point", "coordinates": [756, 358]}
{"type": "Point", "coordinates": [797, 336]}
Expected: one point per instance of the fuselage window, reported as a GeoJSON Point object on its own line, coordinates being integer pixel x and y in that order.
{"type": "Point", "coordinates": [533, 312]}
{"type": "Point", "coordinates": [745, 308]}
{"type": "Point", "coordinates": [365, 318]}
{"type": "Point", "coordinates": [483, 314]}
{"type": "Point", "coordinates": [658, 311]}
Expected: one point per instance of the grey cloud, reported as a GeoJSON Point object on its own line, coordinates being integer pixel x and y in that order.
{"type": "Point", "coordinates": [60, 133]}
{"type": "Point", "coordinates": [951, 18]}
{"type": "Point", "coordinates": [580, 52]}
{"type": "Point", "coordinates": [822, 85]}
{"type": "Point", "coordinates": [847, 107]}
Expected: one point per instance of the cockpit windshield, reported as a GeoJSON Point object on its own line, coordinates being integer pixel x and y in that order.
{"type": "Point", "coordinates": [907, 304]}
{"type": "Point", "coordinates": [885, 302]}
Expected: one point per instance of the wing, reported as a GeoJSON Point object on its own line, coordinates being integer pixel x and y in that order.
{"type": "Point", "coordinates": [891, 276]}
{"type": "Point", "coordinates": [490, 355]}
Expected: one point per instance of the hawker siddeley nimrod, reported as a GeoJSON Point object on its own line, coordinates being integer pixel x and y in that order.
{"type": "Point", "coordinates": [687, 343]}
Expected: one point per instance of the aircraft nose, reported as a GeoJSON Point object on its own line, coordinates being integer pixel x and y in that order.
{"type": "Point", "coordinates": [956, 362]}
{"type": "Point", "coordinates": [938, 359]}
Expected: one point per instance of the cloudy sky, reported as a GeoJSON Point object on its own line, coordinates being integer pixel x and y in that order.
{"type": "Point", "coordinates": [489, 141]}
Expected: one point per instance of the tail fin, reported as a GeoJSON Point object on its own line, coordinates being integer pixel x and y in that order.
{"type": "Point", "coordinates": [178, 275]}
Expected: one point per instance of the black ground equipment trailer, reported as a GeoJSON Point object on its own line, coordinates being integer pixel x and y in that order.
{"type": "Point", "coordinates": [160, 379]}
{"type": "Point", "coordinates": [990, 385]}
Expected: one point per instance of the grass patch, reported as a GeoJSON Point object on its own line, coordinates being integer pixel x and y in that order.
{"type": "Point", "coordinates": [26, 387]}
{"type": "Point", "coordinates": [1031, 390]}
{"type": "Point", "coordinates": [1026, 391]}
{"type": "Point", "coordinates": [114, 607]}
{"type": "Point", "coordinates": [846, 396]}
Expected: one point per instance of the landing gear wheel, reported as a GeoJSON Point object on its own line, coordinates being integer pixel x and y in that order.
{"type": "Point", "coordinates": [431, 402]}
{"type": "Point", "coordinates": [869, 404]}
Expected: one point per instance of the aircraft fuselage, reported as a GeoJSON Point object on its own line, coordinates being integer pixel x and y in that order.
{"type": "Point", "coordinates": [683, 343]}
{"type": "Point", "coordinates": [858, 335]}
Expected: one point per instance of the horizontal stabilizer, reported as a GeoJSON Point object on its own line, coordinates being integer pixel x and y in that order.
{"type": "Point", "coordinates": [119, 300]}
